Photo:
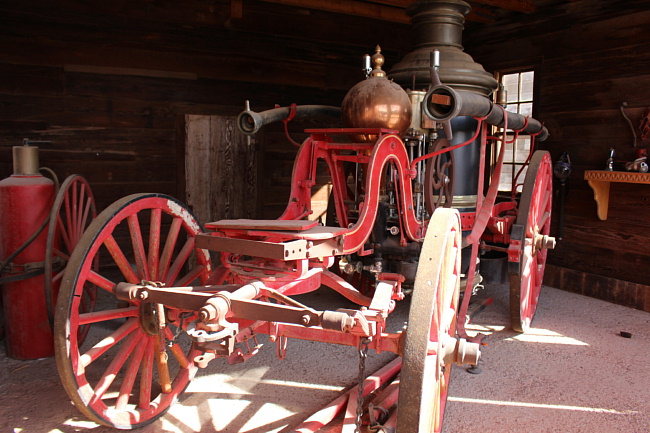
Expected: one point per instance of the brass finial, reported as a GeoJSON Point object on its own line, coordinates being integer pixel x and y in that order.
{"type": "Point", "coordinates": [377, 60]}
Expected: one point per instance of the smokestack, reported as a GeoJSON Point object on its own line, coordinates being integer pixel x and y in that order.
{"type": "Point", "coordinates": [438, 25]}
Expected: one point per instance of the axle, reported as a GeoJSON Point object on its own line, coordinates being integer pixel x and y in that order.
{"type": "Point", "coordinates": [219, 309]}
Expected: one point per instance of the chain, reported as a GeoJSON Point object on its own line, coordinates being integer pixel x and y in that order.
{"type": "Point", "coordinates": [363, 354]}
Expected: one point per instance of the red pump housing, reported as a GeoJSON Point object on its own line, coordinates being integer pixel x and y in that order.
{"type": "Point", "coordinates": [25, 201]}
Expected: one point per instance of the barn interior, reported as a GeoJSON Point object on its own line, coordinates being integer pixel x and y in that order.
{"type": "Point", "coordinates": [143, 96]}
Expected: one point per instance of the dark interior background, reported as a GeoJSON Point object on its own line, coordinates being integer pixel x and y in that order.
{"type": "Point", "coordinates": [110, 84]}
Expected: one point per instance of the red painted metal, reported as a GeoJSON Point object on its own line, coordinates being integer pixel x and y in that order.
{"type": "Point", "coordinates": [72, 212]}
{"type": "Point", "coordinates": [25, 202]}
{"type": "Point", "coordinates": [85, 375]}
{"type": "Point", "coordinates": [528, 254]}
{"type": "Point", "coordinates": [264, 263]}
{"type": "Point", "coordinates": [373, 382]}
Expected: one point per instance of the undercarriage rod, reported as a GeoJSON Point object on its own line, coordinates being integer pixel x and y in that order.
{"type": "Point", "coordinates": [215, 305]}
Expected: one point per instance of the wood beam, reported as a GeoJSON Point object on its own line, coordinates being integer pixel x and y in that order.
{"type": "Point", "coordinates": [385, 10]}
{"type": "Point", "coordinates": [513, 5]}
{"type": "Point", "coordinates": [395, 3]}
{"type": "Point", "coordinates": [356, 8]}
{"type": "Point", "coordinates": [525, 6]}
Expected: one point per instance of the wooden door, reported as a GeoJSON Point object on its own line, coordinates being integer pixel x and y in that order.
{"type": "Point", "coordinates": [220, 169]}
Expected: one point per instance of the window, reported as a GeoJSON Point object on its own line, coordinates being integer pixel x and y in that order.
{"type": "Point", "coordinates": [519, 88]}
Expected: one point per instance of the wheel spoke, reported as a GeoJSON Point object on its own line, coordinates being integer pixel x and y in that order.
{"type": "Point", "coordinates": [58, 253]}
{"type": "Point", "coordinates": [130, 375]}
{"type": "Point", "coordinates": [168, 250]}
{"type": "Point", "coordinates": [84, 218]}
{"type": "Point", "coordinates": [191, 276]}
{"type": "Point", "coordinates": [68, 214]}
{"type": "Point", "coordinates": [544, 220]}
{"type": "Point", "coordinates": [102, 316]}
{"type": "Point", "coordinates": [64, 233]}
{"type": "Point", "coordinates": [146, 376]}
{"type": "Point", "coordinates": [57, 277]}
{"type": "Point", "coordinates": [180, 260]}
{"type": "Point", "coordinates": [543, 209]}
{"type": "Point", "coordinates": [75, 208]}
{"type": "Point", "coordinates": [79, 226]}
{"type": "Point", "coordinates": [120, 260]}
{"type": "Point", "coordinates": [100, 281]}
{"type": "Point", "coordinates": [176, 349]}
{"type": "Point", "coordinates": [154, 243]}
{"type": "Point", "coordinates": [160, 351]}
{"type": "Point", "coordinates": [138, 247]}
{"type": "Point", "coordinates": [114, 367]}
{"type": "Point", "coordinates": [111, 340]}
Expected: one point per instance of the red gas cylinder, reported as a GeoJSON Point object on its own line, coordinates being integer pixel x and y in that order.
{"type": "Point", "coordinates": [25, 201]}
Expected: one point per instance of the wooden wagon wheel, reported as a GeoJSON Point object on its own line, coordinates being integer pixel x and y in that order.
{"type": "Point", "coordinates": [531, 228]}
{"type": "Point", "coordinates": [72, 212]}
{"type": "Point", "coordinates": [121, 375]}
{"type": "Point", "coordinates": [432, 321]}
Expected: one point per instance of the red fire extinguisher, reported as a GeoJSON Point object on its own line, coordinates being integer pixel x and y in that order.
{"type": "Point", "coordinates": [25, 201]}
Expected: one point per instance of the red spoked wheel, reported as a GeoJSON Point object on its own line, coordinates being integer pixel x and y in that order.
{"type": "Point", "coordinates": [72, 212]}
{"type": "Point", "coordinates": [432, 322]}
{"type": "Point", "coordinates": [531, 229]}
{"type": "Point", "coordinates": [129, 369]}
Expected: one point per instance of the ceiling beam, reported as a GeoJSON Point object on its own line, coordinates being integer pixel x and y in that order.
{"type": "Point", "coordinates": [525, 6]}
{"type": "Point", "coordinates": [348, 7]}
{"type": "Point", "coordinates": [395, 3]}
{"type": "Point", "coordinates": [385, 10]}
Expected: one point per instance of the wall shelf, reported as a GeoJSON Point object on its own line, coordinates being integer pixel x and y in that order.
{"type": "Point", "coordinates": [600, 180]}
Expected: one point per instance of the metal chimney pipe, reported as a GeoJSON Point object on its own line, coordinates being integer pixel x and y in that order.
{"type": "Point", "coordinates": [438, 25]}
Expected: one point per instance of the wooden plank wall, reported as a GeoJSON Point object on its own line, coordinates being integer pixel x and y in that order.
{"type": "Point", "coordinates": [220, 169]}
{"type": "Point", "coordinates": [106, 82]}
{"type": "Point", "coordinates": [590, 56]}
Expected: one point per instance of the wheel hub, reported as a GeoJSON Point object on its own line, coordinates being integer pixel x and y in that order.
{"type": "Point", "coordinates": [148, 318]}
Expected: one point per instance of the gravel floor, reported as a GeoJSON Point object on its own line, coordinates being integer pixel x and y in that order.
{"type": "Point", "coordinates": [571, 373]}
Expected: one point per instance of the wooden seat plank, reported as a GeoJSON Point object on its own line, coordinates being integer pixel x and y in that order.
{"type": "Point", "coordinates": [312, 234]}
{"type": "Point", "coordinates": [248, 224]}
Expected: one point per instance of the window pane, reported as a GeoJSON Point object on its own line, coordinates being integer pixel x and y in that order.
{"type": "Point", "coordinates": [520, 100]}
{"type": "Point", "coordinates": [508, 155]}
{"type": "Point", "coordinates": [523, 149]}
{"type": "Point", "coordinates": [512, 107]}
{"type": "Point", "coordinates": [527, 86]}
{"type": "Point", "coordinates": [505, 183]}
{"type": "Point", "coordinates": [511, 84]}
{"type": "Point", "coordinates": [522, 176]}
{"type": "Point", "coordinates": [526, 109]}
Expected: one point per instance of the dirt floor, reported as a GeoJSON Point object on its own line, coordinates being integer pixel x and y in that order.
{"type": "Point", "coordinates": [572, 373]}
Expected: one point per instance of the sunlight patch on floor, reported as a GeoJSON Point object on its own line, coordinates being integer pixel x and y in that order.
{"type": "Point", "coordinates": [187, 417]}
{"type": "Point", "coordinates": [314, 386]}
{"type": "Point", "coordinates": [76, 424]}
{"type": "Point", "coordinates": [261, 419]}
{"type": "Point", "coordinates": [537, 335]}
{"type": "Point", "coordinates": [485, 329]}
{"type": "Point", "coordinates": [541, 405]}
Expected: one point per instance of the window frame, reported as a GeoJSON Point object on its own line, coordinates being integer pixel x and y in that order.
{"type": "Point", "coordinates": [534, 109]}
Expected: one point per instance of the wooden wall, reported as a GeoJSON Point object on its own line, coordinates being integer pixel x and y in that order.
{"type": "Point", "coordinates": [590, 56]}
{"type": "Point", "coordinates": [107, 82]}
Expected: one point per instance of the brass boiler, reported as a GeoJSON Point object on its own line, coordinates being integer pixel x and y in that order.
{"type": "Point", "coordinates": [376, 102]}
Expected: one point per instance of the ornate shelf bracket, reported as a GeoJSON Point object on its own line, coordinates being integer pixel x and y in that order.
{"type": "Point", "coordinates": [600, 180]}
